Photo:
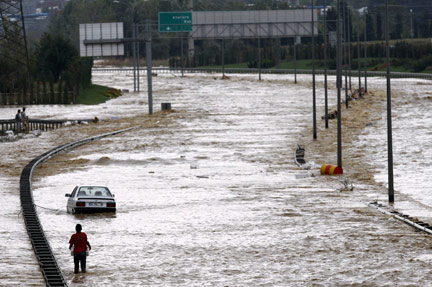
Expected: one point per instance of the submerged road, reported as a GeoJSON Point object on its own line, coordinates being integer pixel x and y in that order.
{"type": "Point", "coordinates": [209, 194]}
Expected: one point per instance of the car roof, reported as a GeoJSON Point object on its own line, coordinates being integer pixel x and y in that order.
{"type": "Point", "coordinates": [92, 186]}
{"type": "Point", "coordinates": [91, 190]}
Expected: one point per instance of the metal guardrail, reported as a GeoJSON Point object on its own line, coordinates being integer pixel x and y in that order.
{"type": "Point", "coordinates": [47, 261]}
{"type": "Point", "coordinates": [354, 73]}
{"type": "Point", "coordinates": [37, 124]}
{"type": "Point", "coordinates": [414, 222]}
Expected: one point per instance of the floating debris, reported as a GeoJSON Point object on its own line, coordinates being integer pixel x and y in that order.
{"type": "Point", "coordinates": [347, 185]}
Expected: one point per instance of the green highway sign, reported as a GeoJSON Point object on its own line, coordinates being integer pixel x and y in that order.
{"type": "Point", "coordinates": [175, 21]}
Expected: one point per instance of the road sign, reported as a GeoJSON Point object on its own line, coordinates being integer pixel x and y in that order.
{"type": "Point", "coordinates": [175, 21]}
{"type": "Point", "coordinates": [101, 39]}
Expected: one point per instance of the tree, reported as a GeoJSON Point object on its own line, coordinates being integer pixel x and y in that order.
{"type": "Point", "coordinates": [12, 60]}
{"type": "Point", "coordinates": [398, 29]}
{"type": "Point", "coordinates": [236, 48]}
{"type": "Point", "coordinates": [424, 25]}
{"type": "Point", "coordinates": [331, 19]}
{"type": "Point", "coordinates": [379, 32]}
{"type": "Point", "coordinates": [370, 29]}
{"type": "Point", "coordinates": [67, 21]}
{"type": "Point", "coordinates": [53, 54]}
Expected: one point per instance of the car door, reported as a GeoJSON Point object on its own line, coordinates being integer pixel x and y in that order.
{"type": "Point", "coordinates": [71, 199]}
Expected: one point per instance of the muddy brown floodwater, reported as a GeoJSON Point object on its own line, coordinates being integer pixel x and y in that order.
{"type": "Point", "coordinates": [209, 193]}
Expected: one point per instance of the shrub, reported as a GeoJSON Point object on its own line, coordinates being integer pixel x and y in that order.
{"type": "Point", "coordinates": [112, 93]}
{"type": "Point", "coordinates": [422, 64]}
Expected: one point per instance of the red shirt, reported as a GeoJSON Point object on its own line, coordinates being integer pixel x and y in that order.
{"type": "Point", "coordinates": [79, 241]}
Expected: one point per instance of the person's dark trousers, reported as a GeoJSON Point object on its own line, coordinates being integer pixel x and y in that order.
{"type": "Point", "coordinates": [80, 257]}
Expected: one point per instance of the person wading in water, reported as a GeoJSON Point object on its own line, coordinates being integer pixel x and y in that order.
{"type": "Point", "coordinates": [79, 242]}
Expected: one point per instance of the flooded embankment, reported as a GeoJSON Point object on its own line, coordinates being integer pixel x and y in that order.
{"type": "Point", "coordinates": [208, 194]}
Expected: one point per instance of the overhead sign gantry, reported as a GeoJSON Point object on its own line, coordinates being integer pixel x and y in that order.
{"type": "Point", "coordinates": [239, 24]}
{"type": "Point", "coordinates": [106, 39]}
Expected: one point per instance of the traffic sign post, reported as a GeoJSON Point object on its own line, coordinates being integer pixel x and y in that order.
{"type": "Point", "coordinates": [175, 21]}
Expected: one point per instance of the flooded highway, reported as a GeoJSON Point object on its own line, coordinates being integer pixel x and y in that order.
{"type": "Point", "coordinates": [208, 194]}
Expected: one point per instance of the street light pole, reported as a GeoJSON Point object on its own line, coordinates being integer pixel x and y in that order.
{"type": "Point", "coordinates": [339, 33]}
{"type": "Point", "coordinates": [134, 55]}
{"type": "Point", "coordinates": [137, 33]}
{"type": "Point", "coordinates": [181, 56]}
{"type": "Point", "coordinates": [295, 61]}
{"type": "Point", "coordinates": [223, 57]}
{"type": "Point", "coordinates": [349, 53]}
{"type": "Point", "coordinates": [259, 58]}
{"type": "Point", "coordinates": [365, 52]}
{"type": "Point", "coordinates": [412, 28]}
{"type": "Point", "coordinates": [325, 68]}
{"type": "Point", "coordinates": [389, 119]}
{"type": "Point", "coordinates": [149, 67]}
{"type": "Point", "coordinates": [313, 74]}
{"type": "Point", "coordinates": [358, 60]}
{"type": "Point", "coordinates": [345, 50]}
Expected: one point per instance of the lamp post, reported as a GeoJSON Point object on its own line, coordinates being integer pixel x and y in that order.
{"type": "Point", "coordinates": [358, 60]}
{"type": "Point", "coordinates": [136, 49]}
{"type": "Point", "coordinates": [149, 66]}
{"type": "Point", "coordinates": [412, 28]}
{"type": "Point", "coordinates": [349, 51]}
{"type": "Point", "coordinates": [135, 44]}
{"type": "Point", "coordinates": [295, 60]}
{"type": "Point", "coordinates": [389, 119]}
{"type": "Point", "coordinates": [313, 75]}
{"type": "Point", "coordinates": [345, 50]}
{"type": "Point", "coordinates": [365, 52]}
{"type": "Point", "coordinates": [339, 33]}
{"type": "Point", "coordinates": [325, 68]}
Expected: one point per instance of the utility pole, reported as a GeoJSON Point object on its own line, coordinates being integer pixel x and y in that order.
{"type": "Point", "coordinates": [349, 52]}
{"type": "Point", "coordinates": [295, 60]}
{"type": "Point", "coordinates": [339, 34]}
{"type": "Point", "coordinates": [223, 57]}
{"type": "Point", "coordinates": [365, 52]}
{"type": "Point", "coordinates": [259, 58]}
{"type": "Point", "coordinates": [412, 26]}
{"type": "Point", "coordinates": [181, 57]}
{"type": "Point", "coordinates": [345, 51]}
{"type": "Point", "coordinates": [313, 74]}
{"type": "Point", "coordinates": [358, 60]}
{"type": "Point", "coordinates": [389, 114]}
{"type": "Point", "coordinates": [191, 44]}
{"type": "Point", "coordinates": [325, 68]}
{"type": "Point", "coordinates": [137, 33]}
{"type": "Point", "coordinates": [134, 52]}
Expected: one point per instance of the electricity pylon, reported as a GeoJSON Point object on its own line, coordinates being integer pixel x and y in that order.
{"type": "Point", "coordinates": [13, 43]}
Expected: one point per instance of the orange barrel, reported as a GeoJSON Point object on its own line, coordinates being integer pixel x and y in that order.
{"type": "Point", "coordinates": [331, 169]}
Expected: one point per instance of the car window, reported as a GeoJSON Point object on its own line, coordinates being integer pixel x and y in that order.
{"type": "Point", "coordinates": [90, 191]}
{"type": "Point", "coordinates": [74, 191]}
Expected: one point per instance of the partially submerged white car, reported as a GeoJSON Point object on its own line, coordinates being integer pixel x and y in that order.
{"type": "Point", "coordinates": [89, 199]}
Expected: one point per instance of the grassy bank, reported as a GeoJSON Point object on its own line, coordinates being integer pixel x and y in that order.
{"type": "Point", "coordinates": [96, 94]}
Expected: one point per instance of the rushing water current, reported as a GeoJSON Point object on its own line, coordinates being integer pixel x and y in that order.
{"type": "Point", "coordinates": [209, 194]}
